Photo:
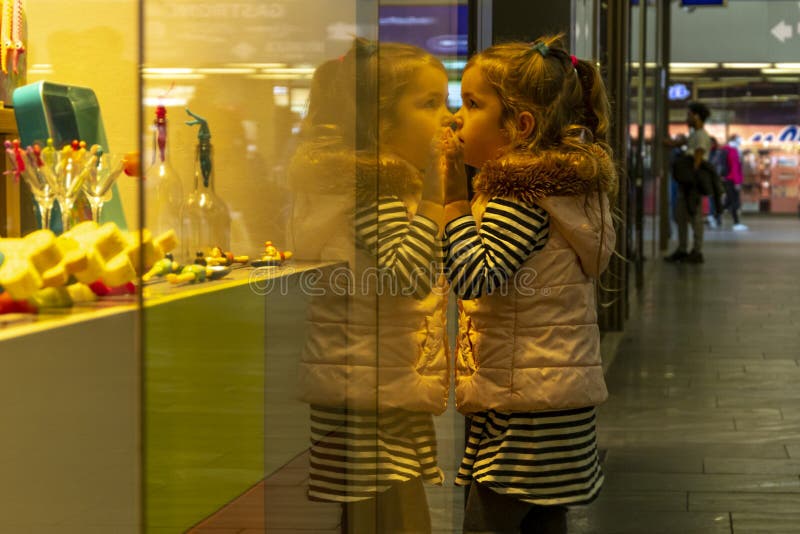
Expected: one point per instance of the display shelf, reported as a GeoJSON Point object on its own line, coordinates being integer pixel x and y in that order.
{"type": "Point", "coordinates": [157, 293]}
{"type": "Point", "coordinates": [72, 388]}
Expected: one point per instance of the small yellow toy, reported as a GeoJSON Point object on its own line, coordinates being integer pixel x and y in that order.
{"type": "Point", "coordinates": [162, 267]}
{"type": "Point", "coordinates": [272, 257]}
{"type": "Point", "coordinates": [218, 257]}
{"type": "Point", "coordinates": [198, 273]}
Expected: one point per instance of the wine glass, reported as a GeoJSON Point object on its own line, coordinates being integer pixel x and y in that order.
{"type": "Point", "coordinates": [42, 182]}
{"type": "Point", "coordinates": [102, 170]}
{"type": "Point", "coordinates": [40, 179]}
{"type": "Point", "coordinates": [70, 172]}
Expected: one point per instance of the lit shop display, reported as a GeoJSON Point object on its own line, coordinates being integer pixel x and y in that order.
{"type": "Point", "coordinates": [153, 292]}
{"type": "Point", "coordinates": [770, 157]}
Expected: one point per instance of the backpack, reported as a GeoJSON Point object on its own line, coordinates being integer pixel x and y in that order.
{"type": "Point", "coordinates": [719, 159]}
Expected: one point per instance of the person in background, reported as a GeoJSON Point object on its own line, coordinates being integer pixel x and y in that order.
{"type": "Point", "coordinates": [524, 257]}
{"type": "Point", "coordinates": [733, 181]}
{"type": "Point", "coordinates": [677, 146]}
{"type": "Point", "coordinates": [689, 208]}
{"type": "Point", "coordinates": [719, 161]}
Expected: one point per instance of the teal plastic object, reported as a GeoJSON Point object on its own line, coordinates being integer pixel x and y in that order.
{"type": "Point", "coordinates": [64, 112]}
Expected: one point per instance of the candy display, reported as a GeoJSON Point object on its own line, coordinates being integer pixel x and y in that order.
{"type": "Point", "coordinates": [88, 252]}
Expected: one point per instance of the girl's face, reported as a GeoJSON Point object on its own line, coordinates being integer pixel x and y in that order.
{"type": "Point", "coordinates": [418, 114]}
{"type": "Point", "coordinates": [478, 120]}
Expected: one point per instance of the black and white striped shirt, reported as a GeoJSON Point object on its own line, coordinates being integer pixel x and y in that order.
{"type": "Point", "coordinates": [356, 455]}
{"type": "Point", "coordinates": [408, 251]}
{"type": "Point", "coordinates": [546, 458]}
{"type": "Point", "coordinates": [480, 260]}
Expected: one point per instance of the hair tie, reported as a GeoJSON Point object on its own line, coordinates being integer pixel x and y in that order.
{"type": "Point", "coordinates": [542, 48]}
{"type": "Point", "coordinates": [574, 61]}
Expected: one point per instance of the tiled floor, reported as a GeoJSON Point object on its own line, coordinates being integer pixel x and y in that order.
{"type": "Point", "coordinates": [702, 429]}
{"type": "Point", "coordinates": [701, 433]}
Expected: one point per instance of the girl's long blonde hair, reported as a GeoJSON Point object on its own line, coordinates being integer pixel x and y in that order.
{"type": "Point", "coordinates": [567, 100]}
{"type": "Point", "coordinates": [356, 95]}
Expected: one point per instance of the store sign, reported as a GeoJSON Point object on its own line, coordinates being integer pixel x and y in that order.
{"type": "Point", "coordinates": [246, 31]}
{"type": "Point", "coordinates": [789, 134]}
{"type": "Point", "coordinates": [678, 92]}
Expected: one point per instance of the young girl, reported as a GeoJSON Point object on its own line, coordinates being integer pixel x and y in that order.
{"type": "Point", "coordinates": [524, 257]}
{"type": "Point", "coordinates": [374, 368]}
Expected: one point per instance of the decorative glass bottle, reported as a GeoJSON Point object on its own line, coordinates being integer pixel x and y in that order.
{"type": "Point", "coordinates": [206, 219]}
{"type": "Point", "coordinates": [162, 185]}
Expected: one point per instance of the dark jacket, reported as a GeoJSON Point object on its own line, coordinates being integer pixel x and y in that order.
{"type": "Point", "coordinates": [697, 183]}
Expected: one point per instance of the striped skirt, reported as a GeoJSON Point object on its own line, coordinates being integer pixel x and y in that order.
{"type": "Point", "coordinates": [544, 458]}
{"type": "Point", "coordinates": [356, 455]}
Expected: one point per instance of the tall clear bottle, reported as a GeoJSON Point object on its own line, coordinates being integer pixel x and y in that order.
{"type": "Point", "coordinates": [205, 216]}
{"type": "Point", "coordinates": [163, 187]}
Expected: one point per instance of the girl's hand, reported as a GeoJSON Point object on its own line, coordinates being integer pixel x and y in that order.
{"type": "Point", "coordinates": [455, 171]}
{"type": "Point", "coordinates": [435, 174]}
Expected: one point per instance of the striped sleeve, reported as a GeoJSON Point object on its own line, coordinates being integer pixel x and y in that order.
{"type": "Point", "coordinates": [479, 260]}
{"type": "Point", "coordinates": [406, 250]}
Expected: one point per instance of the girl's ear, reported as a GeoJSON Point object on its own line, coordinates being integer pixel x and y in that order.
{"type": "Point", "coordinates": [525, 124]}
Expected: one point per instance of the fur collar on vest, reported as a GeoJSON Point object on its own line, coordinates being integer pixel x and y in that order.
{"type": "Point", "coordinates": [531, 177]}
{"type": "Point", "coordinates": [333, 169]}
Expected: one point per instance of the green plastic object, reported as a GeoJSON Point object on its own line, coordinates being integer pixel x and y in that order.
{"type": "Point", "coordinates": [204, 144]}
{"type": "Point", "coordinates": [64, 112]}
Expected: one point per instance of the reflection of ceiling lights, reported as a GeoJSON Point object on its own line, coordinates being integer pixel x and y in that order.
{"type": "Point", "coordinates": [40, 68]}
{"type": "Point", "coordinates": [280, 77]}
{"type": "Point", "coordinates": [289, 70]}
{"type": "Point", "coordinates": [255, 65]}
{"type": "Point", "coordinates": [168, 76]}
{"type": "Point", "coordinates": [168, 95]}
{"type": "Point", "coordinates": [226, 70]}
{"type": "Point", "coordinates": [258, 71]}
{"type": "Point", "coordinates": [170, 73]}
{"type": "Point", "coordinates": [169, 70]}
{"type": "Point", "coordinates": [793, 66]}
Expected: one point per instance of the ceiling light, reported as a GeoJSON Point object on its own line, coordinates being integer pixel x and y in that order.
{"type": "Point", "coordinates": [782, 71]}
{"type": "Point", "coordinates": [693, 65]}
{"type": "Point", "coordinates": [746, 65]}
